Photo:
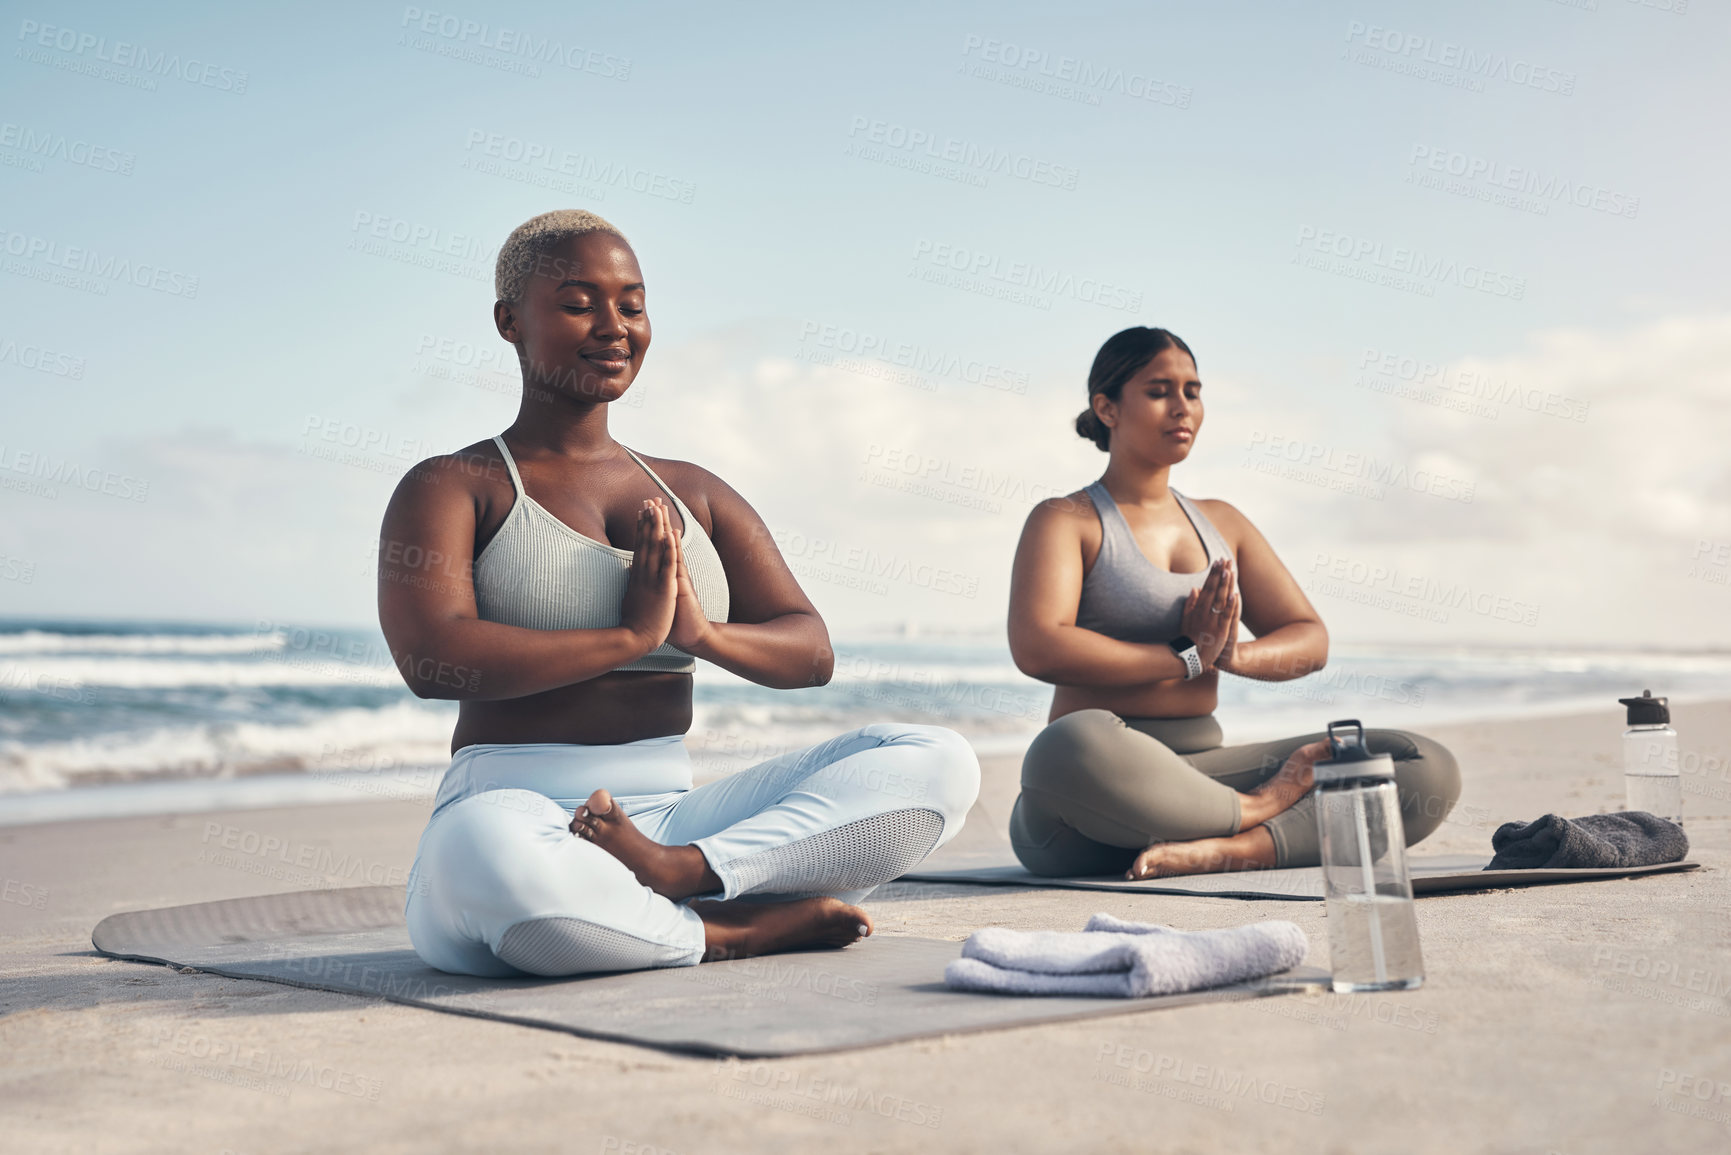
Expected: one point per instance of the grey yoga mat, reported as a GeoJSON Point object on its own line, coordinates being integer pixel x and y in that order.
{"type": "Point", "coordinates": [881, 990]}
{"type": "Point", "coordinates": [997, 866]}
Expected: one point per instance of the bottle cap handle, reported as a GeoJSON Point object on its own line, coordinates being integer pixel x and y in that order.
{"type": "Point", "coordinates": [1339, 743]}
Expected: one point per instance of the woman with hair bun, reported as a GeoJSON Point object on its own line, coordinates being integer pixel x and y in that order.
{"type": "Point", "coordinates": [1127, 596]}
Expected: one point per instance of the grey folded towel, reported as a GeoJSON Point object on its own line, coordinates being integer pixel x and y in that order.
{"type": "Point", "coordinates": [1122, 959]}
{"type": "Point", "coordinates": [1627, 838]}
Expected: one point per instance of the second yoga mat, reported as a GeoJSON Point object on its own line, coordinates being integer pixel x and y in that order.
{"type": "Point", "coordinates": [1441, 874]}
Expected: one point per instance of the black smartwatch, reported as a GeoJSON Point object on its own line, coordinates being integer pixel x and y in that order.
{"type": "Point", "coordinates": [1186, 649]}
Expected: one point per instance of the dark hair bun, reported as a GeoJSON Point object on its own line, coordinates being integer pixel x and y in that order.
{"type": "Point", "coordinates": [1089, 425]}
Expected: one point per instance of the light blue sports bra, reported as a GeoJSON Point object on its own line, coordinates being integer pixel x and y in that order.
{"type": "Point", "coordinates": [540, 574]}
{"type": "Point", "coordinates": [1128, 597]}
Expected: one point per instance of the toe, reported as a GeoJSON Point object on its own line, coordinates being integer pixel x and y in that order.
{"type": "Point", "coordinates": [600, 804]}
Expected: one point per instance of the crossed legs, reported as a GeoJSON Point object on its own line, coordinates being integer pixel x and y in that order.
{"type": "Point", "coordinates": [772, 858]}
{"type": "Point", "coordinates": [1102, 795]}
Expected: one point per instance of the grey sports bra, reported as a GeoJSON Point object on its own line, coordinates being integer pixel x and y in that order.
{"type": "Point", "coordinates": [540, 574]}
{"type": "Point", "coordinates": [1128, 597]}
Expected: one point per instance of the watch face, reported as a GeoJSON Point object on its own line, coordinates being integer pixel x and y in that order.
{"type": "Point", "coordinates": [1181, 643]}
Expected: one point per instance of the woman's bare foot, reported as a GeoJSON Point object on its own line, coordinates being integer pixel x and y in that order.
{"type": "Point", "coordinates": [1287, 786]}
{"type": "Point", "coordinates": [744, 929]}
{"type": "Point", "coordinates": [1251, 849]}
{"type": "Point", "coordinates": [675, 872]}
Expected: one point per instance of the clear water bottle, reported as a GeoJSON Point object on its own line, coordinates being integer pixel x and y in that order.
{"type": "Point", "coordinates": [1652, 780]}
{"type": "Point", "coordinates": [1372, 925]}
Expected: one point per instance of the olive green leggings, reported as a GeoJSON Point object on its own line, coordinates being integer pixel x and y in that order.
{"type": "Point", "coordinates": [1097, 789]}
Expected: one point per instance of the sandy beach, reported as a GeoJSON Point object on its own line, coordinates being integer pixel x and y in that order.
{"type": "Point", "coordinates": [552, 375]}
{"type": "Point", "coordinates": [1572, 1019]}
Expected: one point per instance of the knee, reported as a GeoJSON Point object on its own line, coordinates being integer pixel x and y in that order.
{"type": "Point", "coordinates": [946, 777]}
{"type": "Point", "coordinates": [1429, 781]}
{"type": "Point", "coordinates": [1073, 746]}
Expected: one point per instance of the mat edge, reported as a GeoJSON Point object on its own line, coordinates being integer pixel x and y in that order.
{"type": "Point", "coordinates": [1109, 1007]}
{"type": "Point", "coordinates": [1034, 882]}
{"type": "Point", "coordinates": [1466, 879]}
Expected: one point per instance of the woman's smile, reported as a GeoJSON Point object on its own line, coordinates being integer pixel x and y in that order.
{"type": "Point", "coordinates": [612, 359]}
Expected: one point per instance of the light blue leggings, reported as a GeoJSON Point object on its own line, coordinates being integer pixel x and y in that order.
{"type": "Point", "coordinates": [501, 887]}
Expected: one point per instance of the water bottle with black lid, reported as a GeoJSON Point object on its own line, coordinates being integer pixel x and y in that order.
{"type": "Point", "coordinates": [1652, 779]}
{"type": "Point", "coordinates": [1372, 924]}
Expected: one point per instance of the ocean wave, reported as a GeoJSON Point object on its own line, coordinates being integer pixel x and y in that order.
{"type": "Point", "coordinates": [47, 642]}
{"type": "Point", "coordinates": [83, 709]}
{"type": "Point", "coordinates": [168, 673]}
{"type": "Point", "coordinates": [390, 739]}
{"type": "Point", "coordinates": [869, 668]}
{"type": "Point", "coordinates": [874, 668]}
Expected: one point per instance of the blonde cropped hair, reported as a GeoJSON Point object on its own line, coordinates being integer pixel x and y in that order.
{"type": "Point", "coordinates": [534, 239]}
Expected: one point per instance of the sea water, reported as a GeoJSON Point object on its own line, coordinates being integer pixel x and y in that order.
{"type": "Point", "coordinates": [87, 707]}
{"type": "Point", "coordinates": [1357, 924]}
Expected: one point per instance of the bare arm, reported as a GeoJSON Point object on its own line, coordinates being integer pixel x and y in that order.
{"type": "Point", "coordinates": [1045, 589]}
{"type": "Point", "coordinates": [427, 600]}
{"type": "Point", "coordinates": [1290, 639]}
{"type": "Point", "coordinates": [773, 635]}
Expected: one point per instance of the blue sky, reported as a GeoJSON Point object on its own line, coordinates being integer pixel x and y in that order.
{"type": "Point", "coordinates": [1453, 273]}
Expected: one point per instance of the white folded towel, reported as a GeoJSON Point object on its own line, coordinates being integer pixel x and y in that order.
{"type": "Point", "coordinates": [1112, 957]}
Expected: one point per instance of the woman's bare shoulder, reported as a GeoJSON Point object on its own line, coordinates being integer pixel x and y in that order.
{"type": "Point", "coordinates": [683, 474]}
{"type": "Point", "coordinates": [703, 491]}
{"type": "Point", "coordinates": [1233, 525]}
{"type": "Point", "coordinates": [473, 473]}
{"type": "Point", "coordinates": [1073, 509]}
{"type": "Point", "coordinates": [1062, 524]}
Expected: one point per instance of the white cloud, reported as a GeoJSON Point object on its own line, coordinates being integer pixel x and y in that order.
{"type": "Point", "coordinates": [1595, 520]}
{"type": "Point", "coordinates": [1522, 527]}
{"type": "Point", "coordinates": [895, 502]}
{"type": "Point", "coordinates": [902, 503]}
